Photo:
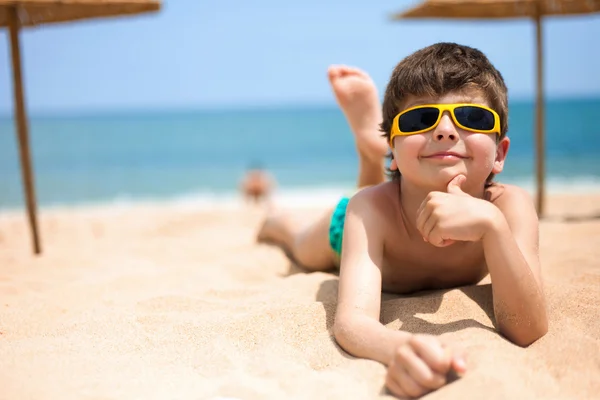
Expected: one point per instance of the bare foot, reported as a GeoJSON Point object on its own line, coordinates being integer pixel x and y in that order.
{"type": "Point", "coordinates": [269, 230]}
{"type": "Point", "coordinates": [357, 96]}
{"type": "Point", "coordinates": [276, 230]}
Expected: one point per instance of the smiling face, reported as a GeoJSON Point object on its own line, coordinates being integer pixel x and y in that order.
{"type": "Point", "coordinates": [433, 158]}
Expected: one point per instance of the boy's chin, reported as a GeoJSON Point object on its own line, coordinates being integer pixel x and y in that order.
{"type": "Point", "coordinates": [430, 185]}
{"type": "Point", "coordinates": [440, 180]}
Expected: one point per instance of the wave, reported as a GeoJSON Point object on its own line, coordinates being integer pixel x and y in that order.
{"type": "Point", "coordinates": [293, 197]}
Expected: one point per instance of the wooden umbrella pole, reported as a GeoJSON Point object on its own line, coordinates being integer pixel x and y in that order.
{"type": "Point", "coordinates": [21, 117]}
{"type": "Point", "coordinates": [539, 118]}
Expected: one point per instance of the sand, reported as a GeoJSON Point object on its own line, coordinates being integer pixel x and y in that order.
{"type": "Point", "coordinates": [168, 302]}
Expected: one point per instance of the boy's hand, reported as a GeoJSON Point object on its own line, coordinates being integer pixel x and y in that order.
{"type": "Point", "coordinates": [421, 365]}
{"type": "Point", "coordinates": [444, 218]}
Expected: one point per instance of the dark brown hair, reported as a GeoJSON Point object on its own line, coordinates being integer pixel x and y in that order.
{"type": "Point", "coordinates": [437, 70]}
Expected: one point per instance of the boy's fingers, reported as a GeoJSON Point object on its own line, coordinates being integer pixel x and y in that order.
{"type": "Point", "coordinates": [409, 385]}
{"type": "Point", "coordinates": [459, 361]}
{"type": "Point", "coordinates": [454, 186]}
{"type": "Point", "coordinates": [430, 349]}
{"type": "Point", "coordinates": [426, 224]}
{"type": "Point", "coordinates": [393, 386]}
{"type": "Point", "coordinates": [424, 211]}
{"type": "Point", "coordinates": [422, 216]}
{"type": "Point", "coordinates": [457, 354]}
{"type": "Point", "coordinates": [419, 370]}
{"type": "Point", "coordinates": [447, 242]}
{"type": "Point", "coordinates": [422, 206]}
{"type": "Point", "coordinates": [428, 227]}
{"type": "Point", "coordinates": [435, 238]}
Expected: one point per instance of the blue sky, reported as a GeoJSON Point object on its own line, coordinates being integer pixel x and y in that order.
{"type": "Point", "coordinates": [220, 53]}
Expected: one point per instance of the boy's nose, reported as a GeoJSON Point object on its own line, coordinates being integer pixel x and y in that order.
{"type": "Point", "coordinates": [445, 129]}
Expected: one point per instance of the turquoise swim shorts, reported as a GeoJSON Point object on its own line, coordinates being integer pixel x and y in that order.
{"type": "Point", "coordinates": [336, 227]}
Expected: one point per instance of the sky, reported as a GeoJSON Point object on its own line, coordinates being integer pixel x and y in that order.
{"type": "Point", "coordinates": [266, 53]}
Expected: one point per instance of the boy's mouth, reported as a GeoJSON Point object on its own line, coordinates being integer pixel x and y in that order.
{"type": "Point", "coordinates": [445, 155]}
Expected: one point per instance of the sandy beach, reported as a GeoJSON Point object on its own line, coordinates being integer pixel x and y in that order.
{"type": "Point", "coordinates": [169, 302]}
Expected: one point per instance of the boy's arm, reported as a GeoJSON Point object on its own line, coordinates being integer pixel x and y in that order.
{"type": "Point", "coordinates": [357, 328]}
{"type": "Point", "coordinates": [511, 246]}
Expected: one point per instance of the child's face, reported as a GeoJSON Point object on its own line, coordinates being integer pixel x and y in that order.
{"type": "Point", "coordinates": [433, 158]}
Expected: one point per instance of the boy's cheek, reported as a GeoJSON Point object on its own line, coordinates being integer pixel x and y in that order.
{"type": "Point", "coordinates": [409, 147]}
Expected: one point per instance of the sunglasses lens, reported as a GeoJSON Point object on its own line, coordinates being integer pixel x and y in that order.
{"type": "Point", "coordinates": [475, 118]}
{"type": "Point", "coordinates": [418, 120]}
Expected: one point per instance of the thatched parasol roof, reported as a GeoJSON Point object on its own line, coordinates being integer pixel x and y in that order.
{"type": "Point", "coordinates": [36, 12]}
{"type": "Point", "coordinates": [491, 9]}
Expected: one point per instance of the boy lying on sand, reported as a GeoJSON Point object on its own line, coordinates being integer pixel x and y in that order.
{"type": "Point", "coordinates": [441, 222]}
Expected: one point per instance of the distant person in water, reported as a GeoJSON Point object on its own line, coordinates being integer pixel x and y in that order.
{"type": "Point", "coordinates": [257, 185]}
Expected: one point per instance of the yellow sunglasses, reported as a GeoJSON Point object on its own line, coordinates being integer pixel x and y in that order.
{"type": "Point", "coordinates": [470, 117]}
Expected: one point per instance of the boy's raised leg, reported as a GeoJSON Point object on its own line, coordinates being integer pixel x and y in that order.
{"type": "Point", "coordinates": [356, 94]}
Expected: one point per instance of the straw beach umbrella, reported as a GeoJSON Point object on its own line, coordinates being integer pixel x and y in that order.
{"type": "Point", "coordinates": [15, 14]}
{"type": "Point", "coordinates": [503, 9]}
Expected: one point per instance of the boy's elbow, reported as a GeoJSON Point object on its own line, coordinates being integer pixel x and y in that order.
{"type": "Point", "coordinates": [341, 332]}
{"type": "Point", "coordinates": [526, 336]}
{"type": "Point", "coordinates": [346, 331]}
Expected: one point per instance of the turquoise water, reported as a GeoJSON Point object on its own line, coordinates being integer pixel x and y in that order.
{"type": "Point", "coordinates": [202, 154]}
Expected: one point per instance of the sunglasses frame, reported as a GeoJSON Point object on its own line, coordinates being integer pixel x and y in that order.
{"type": "Point", "coordinates": [443, 108]}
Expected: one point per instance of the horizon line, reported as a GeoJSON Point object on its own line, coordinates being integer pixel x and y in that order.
{"type": "Point", "coordinates": [267, 106]}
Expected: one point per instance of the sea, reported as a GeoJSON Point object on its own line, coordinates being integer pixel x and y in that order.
{"type": "Point", "coordinates": [198, 157]}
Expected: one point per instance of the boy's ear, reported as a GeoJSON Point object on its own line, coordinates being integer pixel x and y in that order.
{"type": "Point", "coordinates": [501, 152]}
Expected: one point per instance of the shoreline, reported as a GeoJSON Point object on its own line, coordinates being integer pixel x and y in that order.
{"type": "Point", "coordinates": [294, 198]}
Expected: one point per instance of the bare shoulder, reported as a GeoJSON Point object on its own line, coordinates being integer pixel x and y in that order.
{"type": "Point", "coordinates": [515, 203]}
{"type": "Point", "coordinates": [504, 195]}
{"type": "Point", "coordinates": [381, 200]}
